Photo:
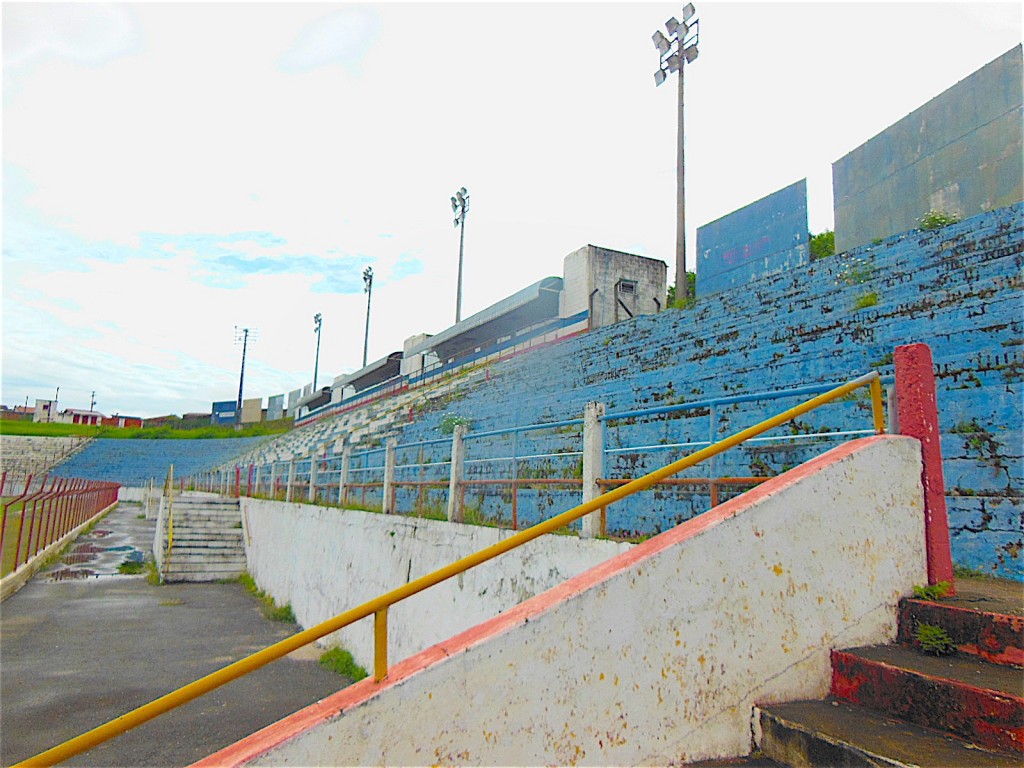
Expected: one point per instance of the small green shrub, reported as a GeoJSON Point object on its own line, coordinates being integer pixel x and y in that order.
{"type": "Point", "coordinates": [866, 300]}
{"type": "Point", "coordinates": [856, 271]}
{"type": "Point", "coordinates": [822, 244]}
{"type": "Point", "coordinates": [340, 661]}
{"type": "Point", "coordinates": [131, 567]}
{"type": "Point", "coordinates": [932, 591]}
{"type": "Point", "coordinates": [934, 639]}
{"type": "Point", "coordinates": [452, 420]}
{"type": "Point", "coordinates": [938, 219]}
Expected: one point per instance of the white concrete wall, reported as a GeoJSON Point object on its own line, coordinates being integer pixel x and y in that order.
{"type": "Point", "coordinates": [325, 560]}
{"type": "Point", "coordinates": [658, 656]}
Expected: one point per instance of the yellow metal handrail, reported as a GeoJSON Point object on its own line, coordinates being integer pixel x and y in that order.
{"type": "Point", "coordinates": [378, 607]}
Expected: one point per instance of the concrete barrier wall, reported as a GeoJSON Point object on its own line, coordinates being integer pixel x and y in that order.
{"type": "Point", "coordinates": [325, 560]}
{"type": "Point", "coordinates": [658, 656]}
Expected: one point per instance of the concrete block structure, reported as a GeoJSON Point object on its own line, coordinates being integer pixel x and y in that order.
{"type": "Point", "coordinates": [612, 286]}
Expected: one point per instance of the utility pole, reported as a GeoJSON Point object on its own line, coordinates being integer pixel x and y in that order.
{"type": "Point", "coordinates": [368, 288]}
{"type": "Point", "coordinates": [242, 337]}
{"type": "Point", "coordinates": [317, 320]}
{"type": "Point", "coordinates": [460, 206]}
{"type": "Point", "coordinates": [674, 52]}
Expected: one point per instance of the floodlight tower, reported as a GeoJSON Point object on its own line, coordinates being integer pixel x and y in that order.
{"type": "Point", "coordinates": [368, 288]}
{"type": "Point", "coordinates": [460, 207]}
{"type": "Point", "coordinates": [242, 336]}
{"type": "Point", "coordinates": [317, 320]}
{"type": "Point", "coordinates": [674, 52]}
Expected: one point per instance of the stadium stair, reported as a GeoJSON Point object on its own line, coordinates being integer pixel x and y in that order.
{"type": "Point", "coordinates": [207, 540]}
{"type": "Point", "coordinates": [894, 705]}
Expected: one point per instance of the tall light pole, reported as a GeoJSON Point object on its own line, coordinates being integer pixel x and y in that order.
{"type": "Point", "coordinates": [242, 336]}
{"type": "Point", "coordinates": [460, 206]}
{"type": "Point", "coordinates": [368, 288]}
{"type": "Point", "coordinates": [674, 53]}
{"type": "Point", "coordinates": [317, 320]}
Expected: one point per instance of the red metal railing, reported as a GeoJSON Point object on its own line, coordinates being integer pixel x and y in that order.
{"type": "Point", "coordinates": [43, 514]}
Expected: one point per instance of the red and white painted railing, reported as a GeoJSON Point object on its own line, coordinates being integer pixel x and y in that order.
{"type": "Point", "coordinates": [44, 512]}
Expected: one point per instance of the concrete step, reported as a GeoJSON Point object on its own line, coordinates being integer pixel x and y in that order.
{"type": "Point", "coordinates": [181, 565]}
{"type": "Point", "coordinates": [836, 733]}
{"type": "Point", "coordinates": [985, 619]}
{"type": "Point", "coordinates": [971, 699]}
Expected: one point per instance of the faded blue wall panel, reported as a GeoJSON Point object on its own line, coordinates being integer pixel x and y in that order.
{"type": "Point", "coordinates": [763, 238]}
{"type": "Point", "coordinates": [223, 412]}
{"type": "Point", "coordinates": [959, 153]}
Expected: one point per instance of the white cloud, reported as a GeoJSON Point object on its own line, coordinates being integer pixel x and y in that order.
{"type": "Point", "coordinates": [89, 34]}
{"type": "Point", "coordinates": [247, 161]}
{"type": "Point", "coordinates": [342, 37]}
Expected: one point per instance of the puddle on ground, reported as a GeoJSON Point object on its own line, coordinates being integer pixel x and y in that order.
{"type": "Point", "coordinates": [68, 574]}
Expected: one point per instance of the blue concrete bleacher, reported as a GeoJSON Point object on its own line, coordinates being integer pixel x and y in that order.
{"type": "Point", "coordinates": [957, 289]}
{"type": "Point", "coordinates": [135, 462]}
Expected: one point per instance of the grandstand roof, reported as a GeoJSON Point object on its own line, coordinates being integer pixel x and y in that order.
{"type": "Point", "coordinates": [374, 373]}
{"type": "Point", "coordinates": [531, 305]}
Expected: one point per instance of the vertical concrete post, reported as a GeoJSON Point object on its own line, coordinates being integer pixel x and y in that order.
{"type": "Point", "coordinates": [291, 479]}
{"type": "Point", "coordinates": [455, 478]}
{"type": "Point", "coordinates": [313, 462]}
{"type": "Point", "coordinates": [918, 416]}
{"type": "Point", "coordinates": [387, 503]}
{"type": "Point", "coordinates": [346, 460]}
{"type": "Point", "coordinates": [273, 479]}
{"type": "Point", "coordinates": [256, 480]}
{"type": "Point", "coordinates": [593, 465]}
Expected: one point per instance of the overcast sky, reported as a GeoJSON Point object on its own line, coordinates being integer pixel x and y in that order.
{"type": "Point", "coordinates": [171, 171]}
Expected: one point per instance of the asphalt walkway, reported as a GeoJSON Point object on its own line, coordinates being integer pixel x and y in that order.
{"type": "Point", "coordinates": [81, 644]}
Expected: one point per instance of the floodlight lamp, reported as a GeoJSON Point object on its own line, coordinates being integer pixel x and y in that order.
{"type": "Point", "coordinates": [688, 11]}
{"type": "Point", "coordinates": [463, 191]}
{"type": "Point", "coordinates": [672, 62]}
{"type": "Point", "coordinates": [660, 42]}
{"type": "Point", "coordinates": [456, 221]}
{"type": "Point", "coordinates": [659, 77]}
{"type": "Point", "coordinates": [672, 25]}
{"type": "Point", "coordinates": [690, 54]}
{"type": "Point", "coordinates": [455, 204]}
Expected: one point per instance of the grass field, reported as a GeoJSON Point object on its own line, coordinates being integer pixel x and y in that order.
{"type": "Point", "coordinates": [210, 432]}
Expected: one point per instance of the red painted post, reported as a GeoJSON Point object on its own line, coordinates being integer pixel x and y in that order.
{"type": "Point", "coordinates": [918, 417]}
{"type": "Point", "coordinates": [238, 481]}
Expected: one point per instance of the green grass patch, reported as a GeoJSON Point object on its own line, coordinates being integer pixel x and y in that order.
{"type": "Point", "coordinates": [934, 640]}
{"type": "Point", "coordinates": [965, 572]}
{"type": "Point", "coordinates": [866, 300]}
{"type": "Point", "coordinates": [131, 567]}
{"type": "Point", "coordinates": [163, 432]}
{"type": "Point", "coordinates": [269, 606]}
{"type": "Point", "coordinates": [340, 661]}
{"type": "Point", "coordinates": [153, 574]}
{"type": "Point", "coordinates": [933, 591]}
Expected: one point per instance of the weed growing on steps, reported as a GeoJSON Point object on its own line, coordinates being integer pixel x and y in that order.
{"type": "Point", "coordinates": [270, 608]}
{"type": "Point", "coordinates": [934, 639]}
{"type": "Point", "coordinates": [131, 567]}
{"type": "Point", "coordinates": [153, 574]}
{"type": "Point", "coordinates": [932, 591]}
{"type": "Point", "coordinates": [340, 661]}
